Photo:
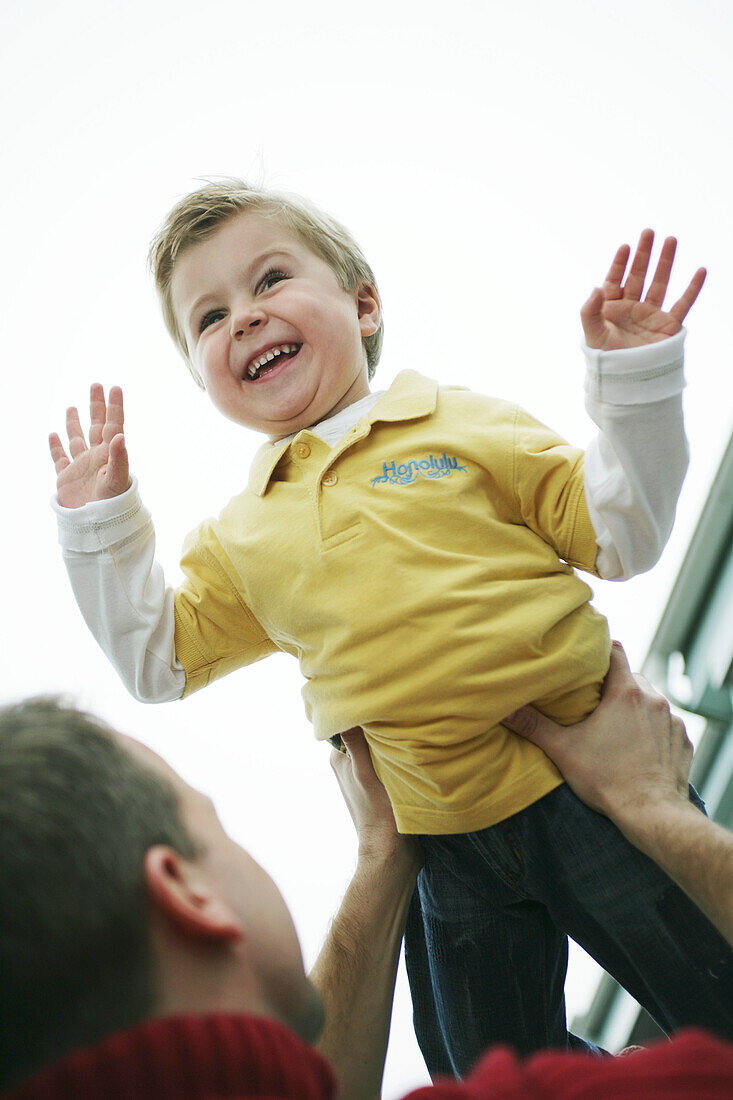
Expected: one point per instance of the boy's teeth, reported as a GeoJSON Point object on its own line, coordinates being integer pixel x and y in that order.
{"type": "Point", "coordinates": [254, 368]}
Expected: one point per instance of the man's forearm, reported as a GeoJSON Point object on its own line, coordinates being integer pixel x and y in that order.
{"type": "Point", "coordinates": [694, 851]}
{"type": "Point", "coordinates": [356, 970]}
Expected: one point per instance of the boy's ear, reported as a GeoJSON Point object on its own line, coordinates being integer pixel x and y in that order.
{"type": "Point", "coordinates": [369, 309]}
{"type": "Point", "coordinates": [181, 895]}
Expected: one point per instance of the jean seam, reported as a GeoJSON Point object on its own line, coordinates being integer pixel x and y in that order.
{"type": "Point", "coordinates": [512, 879]}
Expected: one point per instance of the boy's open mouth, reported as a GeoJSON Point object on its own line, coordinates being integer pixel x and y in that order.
{"type": "Point", "coordinates": [269, 359]}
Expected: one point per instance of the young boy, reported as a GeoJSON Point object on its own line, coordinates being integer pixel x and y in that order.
{"type": "Point", "coordinates": [414, 550]}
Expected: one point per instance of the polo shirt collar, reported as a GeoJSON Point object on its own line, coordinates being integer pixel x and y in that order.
{"type": "Point", "coordinates": [410, 396]}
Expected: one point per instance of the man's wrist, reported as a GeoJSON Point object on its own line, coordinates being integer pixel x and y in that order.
{"type": "Point", "coordinates": [397, 855]}
{"type": "Point", "coordinates": [645, 820]}
{"type": "Point", "coordinates": [356, 969]}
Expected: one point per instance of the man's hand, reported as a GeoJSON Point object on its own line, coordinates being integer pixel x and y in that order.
{"type": "Point", "coordinates": [616, 317]}
{"type": "Point", "coordinates": [630, 759]}
{"type": "Point", "coordinates": [631, 752]}
{"type": "Point", "coordinates": [356, 969]}
{"type": "Point", "coordinates": [101, 470]}
{"type": "Point", "coordinates": [368, 803]}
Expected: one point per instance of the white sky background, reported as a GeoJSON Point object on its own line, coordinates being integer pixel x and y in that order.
{"type": "Point", "coordinates": [489, 158]}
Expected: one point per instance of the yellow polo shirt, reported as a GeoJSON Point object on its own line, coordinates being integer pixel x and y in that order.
{"type": "Point", "coordinates": [421, 572]}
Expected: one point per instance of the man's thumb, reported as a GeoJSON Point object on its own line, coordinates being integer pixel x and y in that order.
{"type": "Point", "coordinates": [529, 722]}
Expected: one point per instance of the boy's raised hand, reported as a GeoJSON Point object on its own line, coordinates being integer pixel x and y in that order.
{"type": "Point", "coordinates": [615, 316]}
{"type": "Point", "coordinates": [100, 470]}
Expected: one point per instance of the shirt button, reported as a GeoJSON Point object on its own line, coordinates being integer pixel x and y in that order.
{"type": "Point", "coordinates": [302, 450]}
{"type": "Point", "coordinates": [330, 479]}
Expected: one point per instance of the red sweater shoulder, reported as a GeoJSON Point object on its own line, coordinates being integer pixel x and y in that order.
{"type": "Point", "coordinates": [693, 1066]}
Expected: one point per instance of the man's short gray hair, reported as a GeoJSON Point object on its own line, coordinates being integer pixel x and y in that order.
{"type": "Point", "coordinates": [77, 815]}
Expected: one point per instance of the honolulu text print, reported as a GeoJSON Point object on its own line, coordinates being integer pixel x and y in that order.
{"type": "Point", "coordinates": [404, 473]}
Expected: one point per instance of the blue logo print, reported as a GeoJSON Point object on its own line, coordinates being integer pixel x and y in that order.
{"type": "Point", "coordinates": [404, 473]}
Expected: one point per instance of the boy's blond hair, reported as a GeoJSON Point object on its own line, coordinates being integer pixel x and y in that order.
{"type": "Point", "coordinates": [198, 215]}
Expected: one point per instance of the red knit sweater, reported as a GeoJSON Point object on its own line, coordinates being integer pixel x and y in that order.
{"type": "Point", "coordinates": [248, 1058]}
{"type": "Point", "coordinates": [189, 1058]}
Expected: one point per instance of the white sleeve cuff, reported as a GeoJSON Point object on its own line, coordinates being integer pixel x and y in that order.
{"type": "Point", "coordinates": [636, 376]}
{"type": "Point", "coordinates": [101, 523]}
{"type": "Point", "coordinates": [635, 465]}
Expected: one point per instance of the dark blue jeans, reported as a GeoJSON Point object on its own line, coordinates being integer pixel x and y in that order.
{"type": "Point", "coordinates": [486, 940]}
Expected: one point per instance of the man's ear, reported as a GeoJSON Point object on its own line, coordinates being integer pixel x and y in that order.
{"type": "Point", "coordinates": [369, 309]}
{"type": "Point", "coordinates": [180, 893]}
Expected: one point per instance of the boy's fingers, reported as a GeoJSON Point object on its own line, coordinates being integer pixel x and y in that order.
{"type": "Point", "coordinates": [591, 316]}
{"type": "Point", "coordinates": [681, 308]}
{"type": "Point", "coordinates": [616, 271]}
{"type": "Point", "coordinates": [58, 454]}
{"type": "Point", "coordinates": [635, 282]}
{"type": "Point", "coordinates": [115, 403]}
{"type": "Point", "coordinates": [658, 288]}
{"type": "Point", "coordinates": [593, 306]}
{"type": "Point", "coordinates": [97, 414]}
{"type": "Point", "coordinates": [118, 466]}
{"type": "Point", "coordinates": [77, 445]}
{"type": "Point", "coordinates": [115, 421]}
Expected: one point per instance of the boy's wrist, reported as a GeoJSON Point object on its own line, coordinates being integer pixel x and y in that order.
{"type": "Point", "coordinates": [101, 523]}
{"type": "Point", "coordinates": [98, 509]}
{"type": "Point", "coordinates": [636, 376]}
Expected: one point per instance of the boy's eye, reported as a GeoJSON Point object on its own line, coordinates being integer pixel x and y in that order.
{"type": "Point", "coordinates": [210, 318]}
{"type": "Point", "coordinates": [271, 278]}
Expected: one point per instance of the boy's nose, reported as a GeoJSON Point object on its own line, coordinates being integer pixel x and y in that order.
{"type": "Point", "coordinates": [244, 320]}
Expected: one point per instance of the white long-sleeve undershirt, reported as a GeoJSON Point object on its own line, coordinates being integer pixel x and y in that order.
{"type": "Point", "coordinates": [634, 469]}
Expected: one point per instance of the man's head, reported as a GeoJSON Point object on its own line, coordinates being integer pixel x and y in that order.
{"type": "Point", "coordinates": [121, 896]}
{"type": "Point", "coordinates": [242, 272]}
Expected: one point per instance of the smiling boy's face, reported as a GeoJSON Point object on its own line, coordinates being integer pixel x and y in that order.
{"type": "Point", "coordinates": [254, 290]}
